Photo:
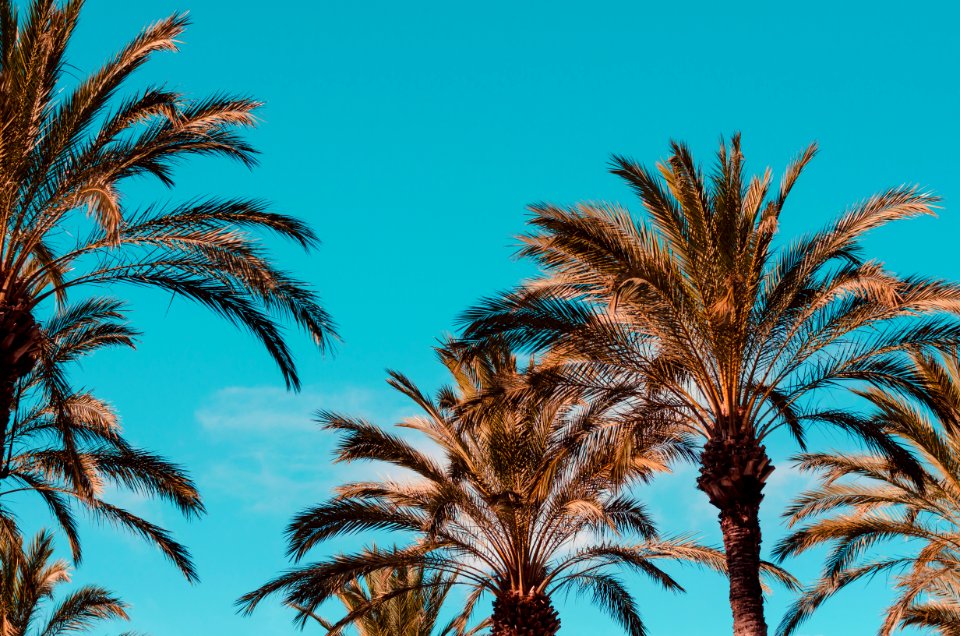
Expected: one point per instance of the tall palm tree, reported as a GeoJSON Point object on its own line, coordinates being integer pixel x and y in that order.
{"type": "Point", "coordinates": [67, 446]}
{"type": "Point", "coordinates": [415, 611]}
{"type": "Point", "coordinates": [67, 148]}
{"type": "Point", "coordinates": [715, 325]}
{"type": "Point", "coordinates": [526, 496]}
{"type": "Point", "coordinates": [865, 507]}
{"type": "Point", "coordinates": [29, 579]}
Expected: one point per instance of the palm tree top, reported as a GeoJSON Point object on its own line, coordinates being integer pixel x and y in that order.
{"type": "Point", "coordinates": [696, 300]}
{"type": "Point", "coordinates": [693, 312]}
{"type": "Point", "coordinates": [396, 602]}
{"type": "Point", "coordinates": [67, 148]}
{"type": "Point", "coordinates": [29, 579]}
{"type": "Point", "coordinates": [526, 494]}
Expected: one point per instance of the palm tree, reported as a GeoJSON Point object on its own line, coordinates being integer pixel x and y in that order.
{"type": "Point", "coordinates": [715, 326]}
{"type": "Point", "coordinates": [28, 581]}
{"type": "Point", "coordinates": [66, 446]}
{"type": "Point", "coordinates": [66, 152]}
{"type": "Point", "coordinates": [525, 497]}
{"type": "Point", "coordinates": [940, 613]}
{"type": "Point", "coordinates": [865, 505]}
{"type": "Point", "coordinates": [415, 611]}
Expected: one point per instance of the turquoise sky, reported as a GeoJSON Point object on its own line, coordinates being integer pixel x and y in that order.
{"type": "Point", "coordinates": [412, 135]}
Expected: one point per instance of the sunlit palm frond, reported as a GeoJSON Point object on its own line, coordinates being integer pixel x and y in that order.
{"type": "Point", "coordinates": [29, 583]}
{"type": "Point", "coordinates": [695, 311]}
{"type": "Point", "coordinates": [391, 602]}
{"type": "Point", "coordinates": [67, 148]}
{"type": "Point", "coordinates": [516, 492]}
{"type": "Point", "coordinates": [866, 505]}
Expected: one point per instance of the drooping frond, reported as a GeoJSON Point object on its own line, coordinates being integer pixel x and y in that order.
{"type": "Point", "coordinates": [28, 586]}
{"type": "Point", "coordinates": [878, 521]}
{"type": "Point", "coordinates": [67, 447]}
{"type": "Point", "coordinates": [67, 148]}
{"type": "Point", "coordinates": [516, 491]}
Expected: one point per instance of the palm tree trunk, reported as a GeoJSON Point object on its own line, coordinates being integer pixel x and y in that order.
{"type": "Point", "coordinates": [7, 388]}
{"type": "Point", "coordinates": [19, 344]}
{"type": "Point", "coordinates": [741, 541]}
{"type": "Point", "coordinates": [733, 471]}
{"type": "Point", "coordinates": [518, 614]}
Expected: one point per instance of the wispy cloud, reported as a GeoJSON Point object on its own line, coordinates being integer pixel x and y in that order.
{"type": "Point", "coordinates": [273, 410]}
{"type": "Point", "coordinates": [272, 457]}
{"type": "Point", "coordinates": [785, 483]}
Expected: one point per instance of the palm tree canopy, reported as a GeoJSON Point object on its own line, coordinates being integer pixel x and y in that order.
{"type": "Point", "coordinates": [29, 578]}
{"type": "Point", "coordinates": [66, 151]}
{"type": "Point", "coordinates": [414, 611]}
{"type": "Point", "coordinates": [716, 325]}
{"type": "Point", "coordinates": [696, 306]}
{"type": "Point", "coordinates": [865, 505]}
{"type": "Point", "coordinates": [67, 447]}
{"type": "Point", "coordinates": [526, 494]}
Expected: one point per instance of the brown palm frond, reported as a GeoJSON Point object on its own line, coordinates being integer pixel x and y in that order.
{"type": "Point", "coordinates": [700, 316]}
{"type": "Point", "coordinates": [66, 150]}
{"type": "Point", "coordinates": [68, 448]}
{"type": "Point", "coordinates": [526, 495]}
{"type": "Point", "coordinates": [29, 578]}
{"type": "Point", "coordinates": [68, 147]}
{"type": "Point", "coordinates": [865, 502]}
{"type": "Point", "coordinates": [393, 602]}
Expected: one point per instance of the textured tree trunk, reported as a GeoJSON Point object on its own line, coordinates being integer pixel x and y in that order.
{"type": "Point", "coordinates": [733, 472]}
{"type": "Point", "coordinates": [518, 614]}
{"type": "Point", "coordinates": [7, 387]}
{"type": "Point", "coordinates": [19, 345]}
{"type": "Point", "coordinates": [741, 541]}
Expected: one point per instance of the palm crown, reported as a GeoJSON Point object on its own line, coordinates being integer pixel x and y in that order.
{"type": "Point", "coordinates": [696, 308]}
{"type": "Point", "coordinates": [865, 502]}
{"type": "Point", "coordinates": [29, 579]}
{"type": "Point", "coordinates": [414, 600]}
{"type": "Point", "coordinates": [527, 497]}
{"type": "Point", "coordinates": [67, 151]}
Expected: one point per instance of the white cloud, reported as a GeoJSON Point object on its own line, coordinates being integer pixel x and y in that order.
{"type": "Point", "coordinates": [261, 409]}
{"type": "Point", "coordinates": [785, 483]}
{"type": "Point", "coordinates": [271, 455]}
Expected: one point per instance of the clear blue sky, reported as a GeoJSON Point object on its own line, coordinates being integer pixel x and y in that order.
{"type": "Point", "coordinates": [412, 135]}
